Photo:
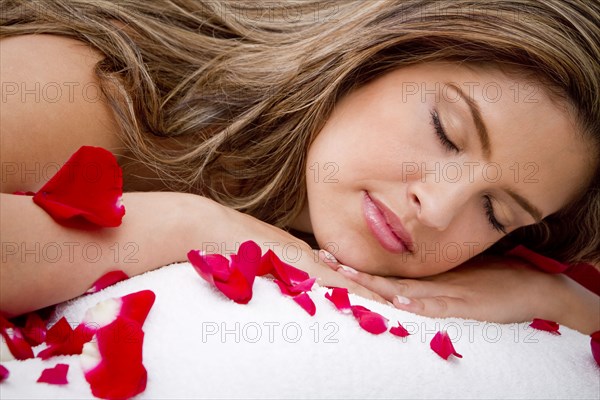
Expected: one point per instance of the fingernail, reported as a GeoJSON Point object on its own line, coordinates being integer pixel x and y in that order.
{"type": "Point", "coordinates": [403, 300]}
{"type": "Point", "coordinates": [348, 269]}
{"type": "Point", "coordinates": [327, 256]}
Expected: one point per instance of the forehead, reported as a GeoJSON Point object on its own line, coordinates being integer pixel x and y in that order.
{"type": "Point", "coordinates": [533, 136]}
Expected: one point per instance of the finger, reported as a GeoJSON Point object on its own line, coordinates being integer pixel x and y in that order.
{"type": "Point", "coordinates": [391, 287]}
{"type": "Point", "coordinates": [436, 306]}
{"type": "Point", "coordinates": [366, 293]}
{"type": "Point", "coordinates": [329, 259]}
{"type": "Point", "coordinates": [384, 287]}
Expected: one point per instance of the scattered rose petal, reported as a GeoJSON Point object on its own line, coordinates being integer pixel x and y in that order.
{"type": "Point", "coordinates": [56, 375]}
{"type": "Point", "coordinates": [298, 293]}
{"type": "Point", "coordinates": [61, 339]}
{"type": "Point", "coordinates": [209, 266]}
{"type": "Point", "coordinates": [545, 325]}
{"type": "Point", "coordinates": [135, 306]}
{"type": "Point", "coordinates": [14, 345]}
{"type": "Point", "coordinates": [64, 340]}
{"type": "Point", "coordinates": [304, 300]}
{"type": "Point", "coordinates": [369, 320]}
{"type": "Point", "coordinates": [35, 329]}
{"type": "Point", "coordinates": [542, 262]}
{"type": "Point", "coordinates": [234, 279]}
{"type": "Point", "coordinates": [86, 192]}
{"type": "Point", "coordinates": [442, 345]}
{"type": "Point", "coordinates": [59, 332]}
{"type": "Point", "coordinates": [106, 280]}
{"type": "Point", "coordinates": [339, 298]}
{"type": "Point", "coordinates": [399, 331]}
{"type": "Point", "coordinates": [3, 373]}
{"type": "Point", "coordinates": [595, 343]}
{"type": "Point", "coordinates": [271, 264]}
{"type": "Point", "coordinates": [112, 364]}
{"type": "Point", "coordinates": [247, 260]}
{"type": "Point", "coordinates": [293, 290]}
{"type": "Point", "coordinates": [22, 193]}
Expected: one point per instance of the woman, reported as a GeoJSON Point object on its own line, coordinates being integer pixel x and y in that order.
{"type": "Point", "coordinates": [407, 137]}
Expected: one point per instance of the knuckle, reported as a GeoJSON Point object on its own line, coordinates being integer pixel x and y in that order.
{"type": "Point", "coordinates": [402, 287]}
{"type": "Point", "coordinates": [441, 304]}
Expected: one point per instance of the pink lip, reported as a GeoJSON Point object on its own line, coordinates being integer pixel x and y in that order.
{"type": "Point", "coordinates": [386, 226]}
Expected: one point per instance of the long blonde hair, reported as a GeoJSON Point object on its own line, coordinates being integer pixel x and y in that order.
{"type": "Point", "coordinates": [223, 98]}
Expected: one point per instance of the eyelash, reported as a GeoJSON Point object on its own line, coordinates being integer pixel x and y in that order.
{"type": "Point", "coordinates": [441, 134]}
{"type": "Point", "coordinates": [448, 145]}
{"type": "Point", "coordinates": [489, 212]}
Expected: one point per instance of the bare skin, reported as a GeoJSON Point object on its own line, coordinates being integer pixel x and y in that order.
{"type": "Point", "coordinates": [45, 131]}
{"type": "Point", "coordinates": [40, 135]}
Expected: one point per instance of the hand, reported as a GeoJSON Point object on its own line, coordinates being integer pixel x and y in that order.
{"type": "Point", "coordinates": [496, 289]}
{"type": "Point", "coordinates": [237, 227]}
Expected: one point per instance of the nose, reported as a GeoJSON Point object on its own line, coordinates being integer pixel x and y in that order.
{"type": "Point", "coordinates": [436, 204]}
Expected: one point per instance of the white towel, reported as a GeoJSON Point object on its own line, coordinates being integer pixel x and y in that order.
{"type": "Point", "coordinates": [199, 344]}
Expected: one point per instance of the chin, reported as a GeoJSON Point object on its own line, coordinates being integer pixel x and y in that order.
{"type": "Point", "coordinates": [353, 252]}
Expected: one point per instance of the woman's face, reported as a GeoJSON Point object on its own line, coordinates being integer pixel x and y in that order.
{"type": "Point", "coordinates": [427, 166]}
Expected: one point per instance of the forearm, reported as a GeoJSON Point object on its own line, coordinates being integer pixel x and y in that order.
{"type": "Point", "coordinates": [44, 263]}
{"type": "Point", "coordinates": [582, 307]}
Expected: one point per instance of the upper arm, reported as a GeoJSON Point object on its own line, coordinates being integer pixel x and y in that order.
{"type": "Point", "coordinates": [51, 105]}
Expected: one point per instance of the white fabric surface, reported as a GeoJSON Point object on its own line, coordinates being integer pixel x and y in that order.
{"type": "Point", "coordinates": [199, 344]}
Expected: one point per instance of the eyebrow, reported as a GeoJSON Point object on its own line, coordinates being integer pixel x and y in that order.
{"type": "Point", "coordinates": [482, 132]}
{"type": "Point", "coordinates": [525, 204]}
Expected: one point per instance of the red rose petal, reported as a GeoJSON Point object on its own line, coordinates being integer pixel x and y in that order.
{"type": "Point", "coordinates": [4, 323]}
{"type": "Point", "coordinates": [545, 325]}
{"type": "Point", "coordinates": [56, 375]}
{"type": "Point", "coordinates": [236, 288]}
{"type": "Point", "coordinates": [35, 329]}
{"type": "Point", "coordinates": [3, 373]}
{"type": "Point", "coordinates": [399, 331]}
{"type": "Point", "coordinates": [595, 344]}
{"type": "Point", "coordinates": [369, 320]}
{"type": "Point", "coordinates": [205, 264]}
{"type": "Point", "coordinates": [15, 342]}
{"type": "Point", "coordinates": [63, 340]}
{"type": "Point", "coordinates": [86, 192]}
{"type": "Point", "coordinates": [294, 290]}
{"type": "Point", "coordinates": [59, 332]}
{"type": "Point", "coordinates": [247, 260]}
{"type": "Point", "coordinates": [339, 298]}
{"type": "Point", "coordinates": [304, 286]}
{"type": "Point", "coordinates": [304, 300]}
{"type": "Point", "coordinates": [544, 263]}
{"type": "Point", "coordinates": [442, 345]}
{"type": "Point", "coordinates": [229, 279]}
{"type": "Point", "coordinates": [267, 263]}
{"type": "Point", "coordinates": [298, 293]}
{"type": "Point", "coordinates": [106, 280]}
{"type": "Point", "coordinates": [271, 264]}
{"type": "Point", "coordinates": [112, 364]}
{"type": "Point", "coordinates": [21, 193]}
{"type": "Point", "coordinates": [135, 306]}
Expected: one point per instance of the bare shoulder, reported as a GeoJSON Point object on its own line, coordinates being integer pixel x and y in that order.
{"type": "Point", "coordinates": [51, 105]}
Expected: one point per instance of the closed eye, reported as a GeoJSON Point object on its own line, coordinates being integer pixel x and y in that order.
{"type": "Point", "coordinates": [439, 131]}
{"type": "Point", "coordinates": [491, 216]}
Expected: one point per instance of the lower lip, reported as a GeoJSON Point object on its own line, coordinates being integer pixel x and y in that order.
{"type": "Point", "coordinates": [379, 227]}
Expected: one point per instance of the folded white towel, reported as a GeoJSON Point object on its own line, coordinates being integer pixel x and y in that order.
{"type": "Point", "coordinates": [199, 344]}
